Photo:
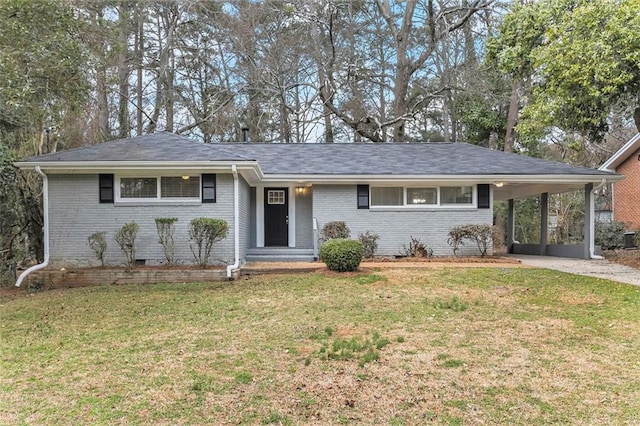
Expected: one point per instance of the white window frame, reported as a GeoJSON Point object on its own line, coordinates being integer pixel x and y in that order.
{"type": "Point", "coordinates": [438, 205]}
{"type": "Point", "coordinates": [158, 199]}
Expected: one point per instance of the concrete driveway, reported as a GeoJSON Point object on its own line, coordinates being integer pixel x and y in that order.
{"type": "Point", "coordinates": [589, 268]}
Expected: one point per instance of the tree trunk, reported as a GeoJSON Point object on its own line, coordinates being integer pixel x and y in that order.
{"type": "Point", "coordinates": [139, 61]}
{"type": "Point", "coordinates": [400, 105]}
{"type": "Point", "coordinates": [512, 116]}
{"type": "Point", "coordinates": [123, 72]}
{"type": "Point", "coordinates": [636, 118]}
{"type": "Point", "coordinates": [103, 103]}
{"type": "Point", "coordinates": [168, 95]}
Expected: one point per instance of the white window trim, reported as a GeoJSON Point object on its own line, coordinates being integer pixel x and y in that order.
{"type": "Point", "coordinates": [438, 205]}
{"type": "Point", "coordinates": [158, 199]}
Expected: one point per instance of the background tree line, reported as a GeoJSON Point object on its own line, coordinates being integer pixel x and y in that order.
{"type": "Point", "coordinates": [558, 79]}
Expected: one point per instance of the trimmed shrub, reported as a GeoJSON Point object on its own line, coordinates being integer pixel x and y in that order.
{"type": "Point", "coordinates": [98, 243]}
{"type": "Point", "coordinates": [126, 239]}
{"type": "Point", "coordinates": [480, 233]}
{"type": "Point", "coordinates": [205, 232]}
{"type": "Point", "coordinates": [610, 235]}
{"type": "Point", "coordinates": [341, 255]}
{"type": "Point", "coordinates": [369, 242]}
{"type": "Point", "coordinates": [166, 227]}
{"type": "Point", "coordinates": [336, 229]}
{"type": "Point", "coordinates": [417, 249]}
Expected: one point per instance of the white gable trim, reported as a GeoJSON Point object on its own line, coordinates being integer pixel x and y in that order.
{"type": "Point", "coordinates": [622, 154]}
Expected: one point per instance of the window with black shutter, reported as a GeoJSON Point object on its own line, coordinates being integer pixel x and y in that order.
{"type": "Point", "coordinates": [484, 197]}
{"type": "Point", "coordinates": [208, 188]}
{"type": "Point", "coordinates": [106, 188]}
{"type": "Point", "coordinates": [363, 196]}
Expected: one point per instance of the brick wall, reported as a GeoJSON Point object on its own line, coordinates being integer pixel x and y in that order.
{"type": "Point", "coordinates": [395, 226]}
{"type": "Point", "coordinates": [626, 193]}
{"type": "Point", "coordinates": [75, 213]}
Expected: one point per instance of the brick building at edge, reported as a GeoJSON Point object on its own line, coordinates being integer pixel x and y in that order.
{"type": "Point", "coordinates": [626, 193]}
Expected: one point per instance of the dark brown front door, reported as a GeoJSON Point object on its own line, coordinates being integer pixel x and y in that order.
{"type": "Point", "coordinates": [276, 217]}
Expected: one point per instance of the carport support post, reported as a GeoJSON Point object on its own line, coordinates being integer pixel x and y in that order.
{"type": "Point", "coordinates": [544, 222]}
{"type": "Point", "coordinates": [510, 225]}
{"type": "Point", "coordinates": [588, 220]}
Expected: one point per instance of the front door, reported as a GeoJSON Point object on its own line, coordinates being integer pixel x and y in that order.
{"type": "Point", "coordinates": [276, 217]}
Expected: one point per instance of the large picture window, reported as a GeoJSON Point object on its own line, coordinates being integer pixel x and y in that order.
{"type": "Point", "coordinates": [138, 187]}
{"type": "Point", "coordinates": [456, 195]}
{"type": "Point", "coordinates": [421, 196]}
{"type": "Point", "coordinates": [180, 186]}
{"type": "Point", "coordinates": [384, 196]}
{"type": "Point", "coordinates": [159, 188]}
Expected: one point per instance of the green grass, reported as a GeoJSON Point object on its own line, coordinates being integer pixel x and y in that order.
{"type": "Point", "coordinates": [448, 346]}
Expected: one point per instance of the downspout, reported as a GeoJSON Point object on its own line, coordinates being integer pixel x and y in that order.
{"type": "Point", "coordinates": [45, 229]}
{"type": "Point", "coordinates": [236, 223]}
{"type": "Point", "coordinates": [592, 247]}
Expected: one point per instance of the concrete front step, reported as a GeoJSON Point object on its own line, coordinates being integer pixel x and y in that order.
{"type": "Point", "coordinates": [279, 254]}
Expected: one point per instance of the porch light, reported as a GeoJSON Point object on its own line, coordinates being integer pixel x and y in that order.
{"type": "Point", "coordinates": [499, 184]}
{"type": "Point", "coordinates": [300, 190]}
{"type": "Point", "coordinates": [185, 177]}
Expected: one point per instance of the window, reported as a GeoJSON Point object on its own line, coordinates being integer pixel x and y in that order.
{"type": "Point", "coordinates": [180, 187]}
{"type": "Point", "coordinates": [391, 196]}
{"type": "Point", "coordinates": [161, 188]}
{"type": "Point", "coordinates": [422, 195]}
{"type": "Point", "coordinates": [275, 197]}
{"type": "Point", "coordinates": [138, 188]}
{"type": "Point", "coordinates": [456, 195]}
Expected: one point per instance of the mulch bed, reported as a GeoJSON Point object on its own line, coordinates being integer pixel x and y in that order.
{"type": "Point", "coordinates": [624, 257]}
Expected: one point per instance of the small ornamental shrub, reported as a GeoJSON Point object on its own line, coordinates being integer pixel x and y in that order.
{"type": "Point", "coordinates": [336, 229]}
{"type": "Point", "coordinates": [126, 239]}
{"type": "Point", "coordinates": [481, 234]}
{"type": "Point", "coordinates": [166, 227]}
{"type": "Point", "coordinates": [98, 244]}
{"type": "Point", "coordinates": [341, 255]}
{"type": "Point", "coordinates": [369, 243]}
{"type": "Point", "coordinates": [417, 249]}
{"type": "Point", "coordinates": [609, 235]}
{"type": "Point", "coordinates": [205, 232]}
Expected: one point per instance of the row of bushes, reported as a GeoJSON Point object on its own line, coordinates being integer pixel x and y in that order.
{"type": "Point", "coordinates": [204, 232]}
{"type": "Point", "coordinates": [342, 254]}
{"type": "Point", "coordinates": [610, 235]}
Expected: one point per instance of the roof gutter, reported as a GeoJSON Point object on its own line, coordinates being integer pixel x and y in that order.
{"type": "Point", "coordinates": [236, 224]}
{"type": "Point", "coordinates": [489, 178]}
{"type": "Point", "coordinates": [45, 213]}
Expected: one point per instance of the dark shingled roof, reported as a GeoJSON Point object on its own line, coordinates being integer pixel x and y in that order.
{"type": "Point", "coordinates": [325, 159]}
{"type": "Point", "coordinates": [162, 146]}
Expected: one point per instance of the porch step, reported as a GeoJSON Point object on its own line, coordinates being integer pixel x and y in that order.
{"type": "Point", "coordinates": [279, 254]}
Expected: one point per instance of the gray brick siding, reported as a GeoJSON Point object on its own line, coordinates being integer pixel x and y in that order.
{"type": "Point", "coordinates": [395, 228]}
{"type": "Point", "coordinates": [304, 219]}
{"type": "Point", "coordinates": [252, 217]}
{"type": "Point", "coordinates": [75, 213]}
{"type": "Point", "coordinates": [244, 203]}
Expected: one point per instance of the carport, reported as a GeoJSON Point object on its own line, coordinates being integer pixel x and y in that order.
{"type": "Point", "coordinates": [541, 186]}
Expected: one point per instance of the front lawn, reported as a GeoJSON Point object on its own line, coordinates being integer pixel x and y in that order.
{"type": "Point", "coordinates": [442, 346]}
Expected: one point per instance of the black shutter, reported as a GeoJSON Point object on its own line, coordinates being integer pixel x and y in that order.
{"type": "Point", "coordinates": [363, 196]}
{"type": "Point", "coordinates": [106, 188]}
{"type": "Point", "coordinates": [484, 198]}
{"type": "Point", "coordinates": [208, 188]}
